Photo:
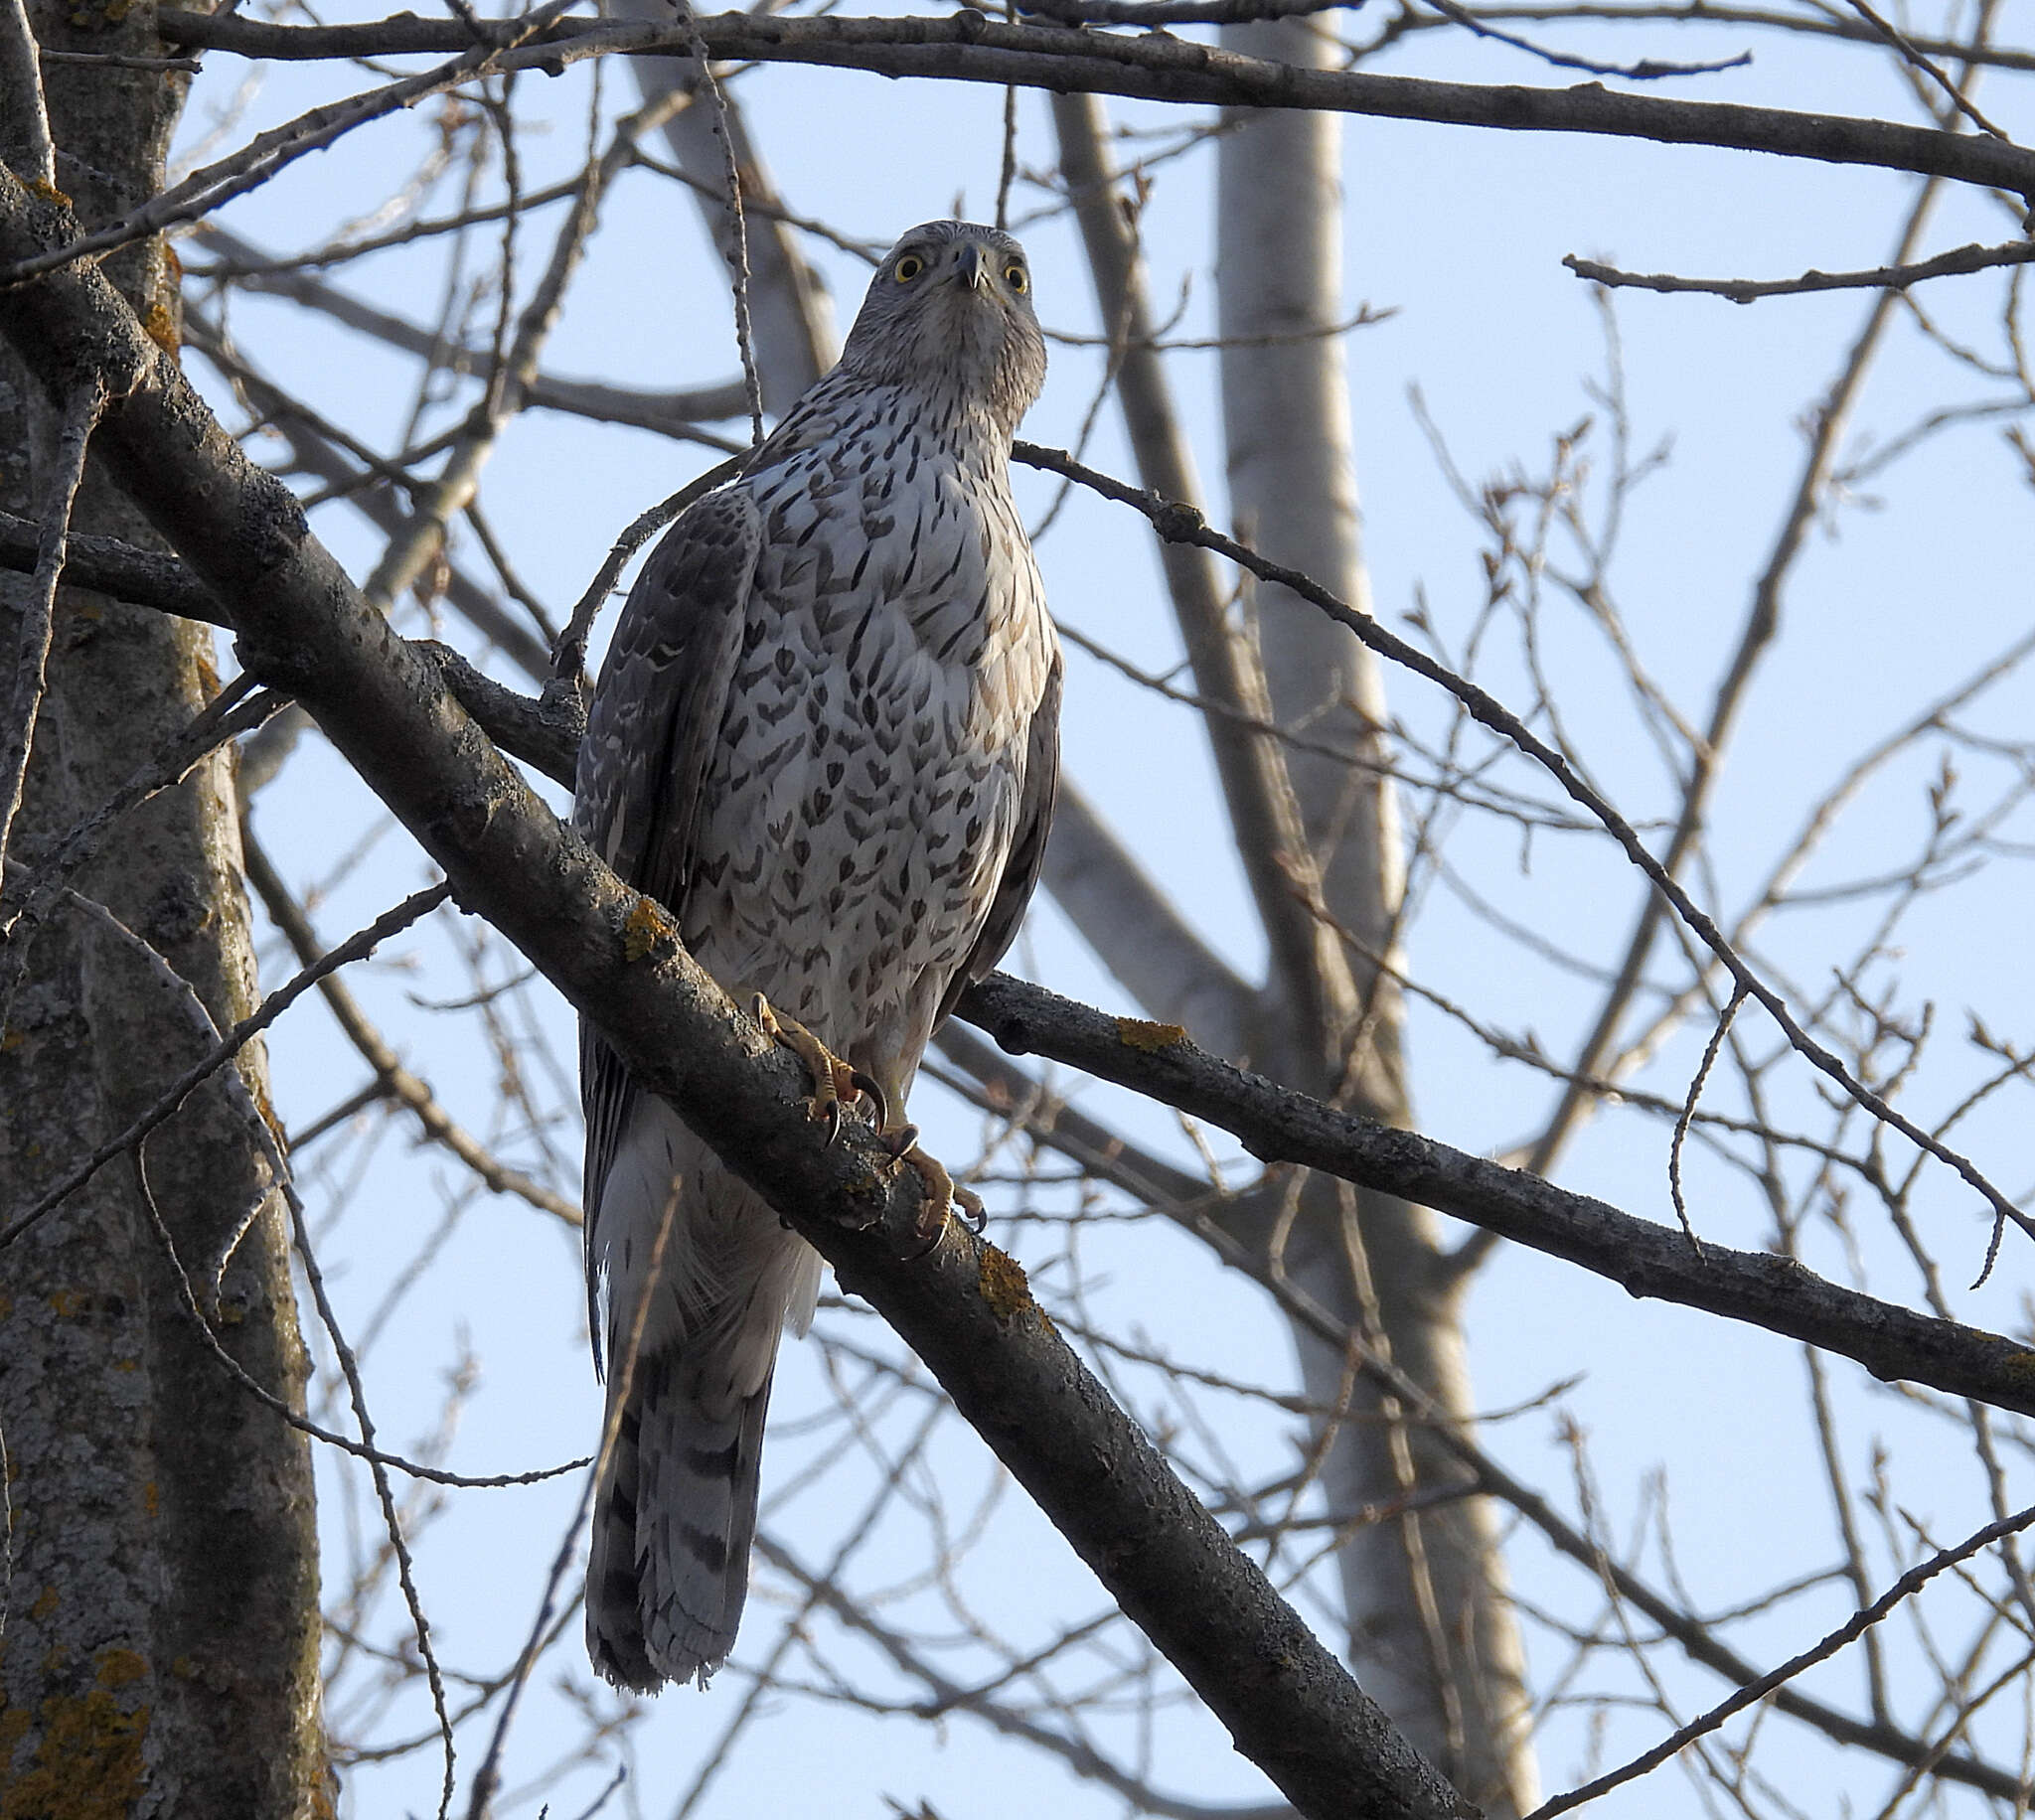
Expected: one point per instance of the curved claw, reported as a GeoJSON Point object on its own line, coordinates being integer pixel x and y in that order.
{"type": "Point", "coordinates": [867, 1086]}
{"type": "Point", "coordinates": [973, 1213]}
{"type": "Point", "coordinates": [944, 1195]}
{"type": "Point", "coordinates": [926, 1247]}
{"type": "Point", "coordinates": [832, 1113]}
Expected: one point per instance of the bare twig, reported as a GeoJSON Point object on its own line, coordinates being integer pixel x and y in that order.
{"type": "Point", "coordinates": [1183, 523]}
{"type": "Point", "coordinates": [39, 610]}
{"type": "Point", "coordinates": [239, 708]}
{"type": "Point", "coordinates": [736, 246]}
{"type": "Point", "coordinates": [1689, 1113]}
{"type": "Point", "coordinates": [569, 655]}
{"type": "Point", "coordinates": [1958, 262]}
{"type": "Point", "coordinates": [222, 1054]}
{"type": "Point", "coordinates": [1917, 61]}
{"type": "Point", "coordinates": [1646, 70]}
{"type": "Point", "coordinates": [392, 1521]}
{"type": "Point", "coordinates": [397, 1081]}
{"type": "Point", "coordinates": [187, 1297]}
{"type": "Point", "coordinates": [1847, 1633]}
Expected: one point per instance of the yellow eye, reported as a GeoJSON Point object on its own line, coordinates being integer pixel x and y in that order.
{"type": "Point", "coordinates": [1013, 276]}
{"type": "Point", "coordinates": [909, 268]}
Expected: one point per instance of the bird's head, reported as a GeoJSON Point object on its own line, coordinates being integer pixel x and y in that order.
{"type": "Point", "coordinates": [949, 311]}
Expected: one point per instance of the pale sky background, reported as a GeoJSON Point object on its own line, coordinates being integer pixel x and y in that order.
{"type": "Point", "coordinates": [1460, 233]}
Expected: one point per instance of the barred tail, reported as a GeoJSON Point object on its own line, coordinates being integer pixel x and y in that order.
{"type": "Point", "coordinates": [674, 1516]}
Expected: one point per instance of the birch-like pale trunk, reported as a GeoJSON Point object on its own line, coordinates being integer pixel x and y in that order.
{"type": "Point", "coordinates": [159, 1654]}
{"type": "Point", "coordinates": [1432, 1636]}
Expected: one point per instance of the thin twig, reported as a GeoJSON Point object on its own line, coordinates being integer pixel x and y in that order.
{"type": "Point", "coordinates": [1178, 524]}
{"type": "Point", "coordinates": [738, 246]}
{"type": "Point", "coordinates": [278, 1001]}
{"type": "Point", "coordinates": [569, 655]}
{"type": "Point", "coordinates": [487, 1777]}
{"type": "Point", "coordinates": [391, 1077]}
{"type": "Point", "coordinates": [1915, 59]}
{"type": "Point", "coordinates": [356, 1392]}
{"type": "Point", "coordinates": [237, 709]}
{"type": "Point", "coordinates": [39, 611]}
{"type": "Point", "coordinates": [1955, 263]}
{"type": "Point", "coordinates": [1847, 1633]}
{"type": "Point", "coordinates": [187, 1297]}
{"type": "Point", "coordinates": [1689, 1113]}
{"type": "Point", "coordinates": [1644, 71]}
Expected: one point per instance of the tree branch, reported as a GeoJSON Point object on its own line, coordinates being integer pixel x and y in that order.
{"type": "Point", "coordinates": [1277, 1125]}
{"type": "Point", "coordinates": [1955, 263]}
{"type": "Point", "coordinates": [969, 48]}
{"type": "Point", "coordinates": [394, 1079]}
{"type": "Point", "coordinates": [1138, 934]}
{"type": "Point", "coordinates": [1310, 975]}
{"type": "Point", "coordinates": [677, 414]}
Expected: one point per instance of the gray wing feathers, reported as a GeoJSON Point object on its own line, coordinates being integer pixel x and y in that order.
{"type": "Point", "coordinates": [650, 736]}
{"type": "Point", "coordinates": [676, 1506]}
{"type": "Point", "coordinates": [1027, 845]}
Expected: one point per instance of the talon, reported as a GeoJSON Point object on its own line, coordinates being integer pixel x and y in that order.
{"type": "Point", "coordinates": [973, 1213]}
{"type": "Point", "coordinates": [867, 1086]}
{"type": "Point", "coordinates": [942, 1194]}
{"type": "Point", "coordinates": [903, 1139]}
{"type": "Point", "coordinates": [834, 1081]}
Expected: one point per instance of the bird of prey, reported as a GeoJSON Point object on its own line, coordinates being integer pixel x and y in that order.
{"type": "Point", "coordinates": [826, 737]}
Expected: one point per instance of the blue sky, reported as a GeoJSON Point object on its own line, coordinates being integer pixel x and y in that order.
{"type": "Point", "coordinates": [1460, 234]}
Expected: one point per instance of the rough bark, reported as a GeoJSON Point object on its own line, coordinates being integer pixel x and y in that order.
{"type": "Point", "coordinates": [160, 1651]}
{"type": "Point", "coordinates": [1431, 1632]}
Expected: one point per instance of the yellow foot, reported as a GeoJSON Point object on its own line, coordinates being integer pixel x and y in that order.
{"type": "Point", "coordinates": [836, 1084]}
{"type": "Point", "coordinates": [943, 1194]}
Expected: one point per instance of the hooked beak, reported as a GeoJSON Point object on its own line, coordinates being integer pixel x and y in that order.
{"type": "Point", "coordinates": [975, 268]}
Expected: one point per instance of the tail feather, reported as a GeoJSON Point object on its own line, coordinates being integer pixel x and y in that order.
{"type": "Point", "coordinates": [673, 1519]}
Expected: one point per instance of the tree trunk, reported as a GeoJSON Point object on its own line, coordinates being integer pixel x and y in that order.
{"type": "Point", "coordinates": [159, 1650]}
{"type": "Point", "coordinates": [1432, 1636]}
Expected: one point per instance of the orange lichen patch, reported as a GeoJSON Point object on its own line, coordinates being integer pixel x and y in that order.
{"type": "Point", "coordinates": [158, 322]}
{"type": "Point", "coordinates": [1136, 1033]}
{"type": "Point", "coordinates": [48, 191]}
{"type": "Point", "coordinates": [46, 1603]}
{"type": "Point", "coordinates": [150, 1501]}
{"type": "Point", "coordinates": [122, 1667]}
{"type": "Point", "coordinates": [645, 928]}
{"type": "Point", "coordinates": [88, 1764]}
{"type": "Point", "coordinates": [1003, 1285]}
{"type": "Point", "coordinates": [258, 1090]}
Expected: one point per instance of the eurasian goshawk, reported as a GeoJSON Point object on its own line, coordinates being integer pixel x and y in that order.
{"type": "Point", "coordinates": [825, 739]}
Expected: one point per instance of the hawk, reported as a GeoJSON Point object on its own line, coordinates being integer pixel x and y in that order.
{"type": "Point", "coordinates": [826, 737]}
